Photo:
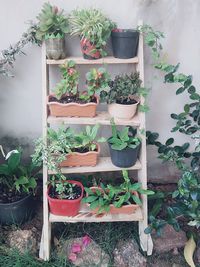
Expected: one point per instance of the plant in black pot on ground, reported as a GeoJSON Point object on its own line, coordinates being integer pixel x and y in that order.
{"type": "Point", "coordinates": [123, 198]}
{"type": "Point", "coordinates": [124, 146]}
{"type": "Point", "coordinates": [93, 28]}
{"type": "Point", "coordinates": [124, 42]}
{"type": "Point", "coordinates": [64, 195]}
{"type": "Point", "coordinates": [124, 95]}
{"type": "Point", "coordinates": [17, 184]}
{"type": "Point", "coordinates": [52, 27]}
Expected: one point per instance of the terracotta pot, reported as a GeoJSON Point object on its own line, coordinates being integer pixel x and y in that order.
{"type": "Point", "coordinates": [65, 207]}
{"type": "Point", "coordinates": [72, 109]}
{"type": "Point", "coordinates": [121, 111]}
{"type": "Point", "coordinates": [77, 159]}
{"type": "Point", "coordinates": [126, 209]}
{"type": "Point", "coordinates": [89, 50]}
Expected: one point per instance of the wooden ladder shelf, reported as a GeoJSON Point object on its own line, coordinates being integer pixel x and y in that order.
{"type": "Point", "coordinates": [104, 163]}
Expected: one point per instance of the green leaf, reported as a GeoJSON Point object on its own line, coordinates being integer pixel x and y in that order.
{"type": "Point", "coordinates": [94, 205]}
{"type": "Point", "coordinates": [14, 160]}
{"type": "Point", "coordinates": [191, 89]}
{"type": "Point", "coordinates": [91, 198]}
{"type": "Point", "coordinates": [180, 90]}
{"type": "Point", "coordinates": [187, 108]}
{"type": "Point", "coordinates": [169, 142]}
{"type": "Point", "coordinates": [136, 200]}
{"type": "Point", "coordinates": [4, 169]}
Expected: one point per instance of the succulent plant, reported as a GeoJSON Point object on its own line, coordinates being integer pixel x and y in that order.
{"type": "Point", "coordinates": [52, 22]}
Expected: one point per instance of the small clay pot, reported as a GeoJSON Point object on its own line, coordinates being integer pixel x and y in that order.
{"type": "Point", "coordinates": [72, 109]}
{"type": "Point", "coordinates": [65, 207]}
{"type": "Point", "coordinates": [77, 159]}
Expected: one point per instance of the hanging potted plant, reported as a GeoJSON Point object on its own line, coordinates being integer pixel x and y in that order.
{"type": "Point", "coordinates": [122, 199]}
{"type": "Point", "coordinates": [68, 149]}
{"type": "Point", "coordinates": [124, 146]}
{"type": "Point", "coordinates": [93, 28]}
{"type": "Point", "coordinates": [67, 101]}
{"type": "Point", "coordinates": [124, 42]}
{"type": "Point", "coordinates": [52, 27]}
{"type": "Point", "coordinates": [64, 196]}
{"type": "Point", "coordinates": [16, 191]}
{"type": "Point", "coordinates": [124, 95]}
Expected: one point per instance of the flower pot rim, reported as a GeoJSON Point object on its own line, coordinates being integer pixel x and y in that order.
{"type": "Point", "coordinates": [72, 103]}
{"type": "Point", "coordinates": [123, 148]}
{"type": "Point", "coordinates": [67, 200]}
{"type": "Point", "coordinates": [124, 105]}
{"type": "Point", "coordinates": [16, 202]}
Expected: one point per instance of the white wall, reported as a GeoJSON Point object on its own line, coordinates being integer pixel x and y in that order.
{"type": "Point", "coordinates": [20, 97]}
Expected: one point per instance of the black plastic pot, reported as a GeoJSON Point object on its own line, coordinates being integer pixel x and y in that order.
{"type": "Point", "coordinates": [125, 43]}
{"type": "Point", "coordinates": [124, 158]}
{"type": "Point", "coordinates": [17, 212]}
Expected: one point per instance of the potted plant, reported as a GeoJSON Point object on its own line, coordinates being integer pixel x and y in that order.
{"type": "Point", "coordinates": [17, 184]}
{"type": "Point", "coordinates": [124, 146]}
{"type": "Point", "coordinates": [68, 101]}
{"type": "Point", "coordinates": [124, 95]}
{"type": "Point", "coordinates": [68, 149]}
{"type": "Point", "coordinates": [124, 42]}
{"type": "Point", "coordinates": [122, 199]}
{"type": "Point", "coordinates": [52, 27]}
{"type": "Point", "coordinates": [93, 28]}
{"type": "Point", "coordinates": [64, 196]}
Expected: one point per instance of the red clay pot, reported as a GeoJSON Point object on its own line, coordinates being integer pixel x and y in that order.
{"type": "Point", "coordinates": [72, 109]}
{"type": "Point", "coordinates": [65, 207]}
{"type": "Point", "coordinates": [89, 50]}
{"type": "Point", "coordinates": [126, 209]}
{"type": "Point", "coordinates": [77, 159]}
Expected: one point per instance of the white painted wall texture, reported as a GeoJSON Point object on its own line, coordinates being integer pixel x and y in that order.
{"type": "Point", "coordinates": [20, 97]}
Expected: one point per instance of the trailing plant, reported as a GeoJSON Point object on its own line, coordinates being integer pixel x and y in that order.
{"type": "Point", "coordinates": [8, 56]}
{"type": "Point", "coordinates": [62, 142]}
{"type": "Point", "coordinates": [93, 25]}
{"type": "Point", "coordinates": [16, 178]}
{"type": "Point", "coordinates": [123, 139]}
{"type": "Point", "coordinates": [52, 23]}
{"type": "Point", "coordinates": [69, 83]}
{"type": "Point", "coordinates": [102, 197]}
{"type": "Point", "coordinates": [125, 89]}
{"type": "Point", "coordinates": [187, 122]}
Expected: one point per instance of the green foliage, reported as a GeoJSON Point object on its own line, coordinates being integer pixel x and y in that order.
{"type": "Point", "coordinates": [63, 188]}
{"type": "Point", "coordinates": [92, 25]}
{"type": "Point", "coordinates": [69, 84]}
{"type": "Point", "coordinates": [187, 195]}
{"type": "Point", "coordinates": [16, 177]}
{"type": "Point", "coordinates": [96, 80]}
{"type": "Point", "coordinates": [52, 22]}
{"type": "Point", "coordinates": [123, 88]}
{"type": "Point", "coordinates": [102, 197]}
{"type": "Point", "coordinates": [62, 142]}
{"type": "Point", "coordinates": [123, 139]}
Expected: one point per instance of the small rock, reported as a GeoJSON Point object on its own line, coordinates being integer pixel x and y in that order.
{"type": "Point", "coordinates": [23, 240]}
{"type": "Point", "coordinates": [169, 240]}
{"type": "Point", "coordinates": [127, 254]}
{"type": "Point", "coordinates": [88, 256]}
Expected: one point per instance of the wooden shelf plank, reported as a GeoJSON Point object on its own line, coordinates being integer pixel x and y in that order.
{"type": "Point", "coordinates": [104, 165]}
{"type": "Point", "coordinates": [85, 215]}
{"type": "Point", "coordinates": [105, 60]}
{"type": "Point", "coordinates": [102, 117]}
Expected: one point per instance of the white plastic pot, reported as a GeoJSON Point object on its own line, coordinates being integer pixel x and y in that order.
{"type": "Point", "coordinates": [121, 111]}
